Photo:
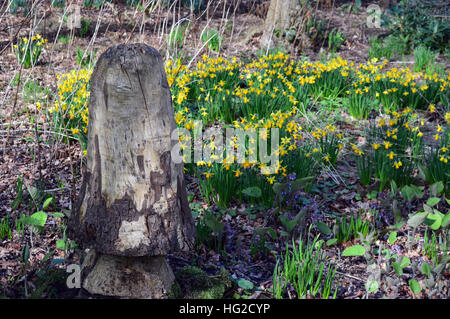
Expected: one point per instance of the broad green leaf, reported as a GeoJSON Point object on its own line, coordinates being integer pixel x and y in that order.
{"type": "Point", "coordinates": [407, 193]}
{"type": "Point", "coordinates": [427, 208]}
{"type": "Point", "coordinates": [446, 220]}
{"type": "Point", "coordinates": [372, 286]}
{"type": "Point", "coordinates": [372, 195]}
{"type": "Point", "coordinates": [397, 268]}
{"type": "Point", "coordinates": [278, 187]}
{"type": "Point", "coordinates": [392, 237]}
{"type": "Point", "coordinates": [254, 191]}
{"type": "Point", "coordinates": [425, 268]}
{"type": "Point", "coordinates": [437, 188]}
{"type": "Point", "coordinates": [433, 221]}
{"type": "Point", "coordinates": [272, 233]}
{"type": "Point", "coordinates": [47, 202]}
{"type": "Point", "coordinates": [301, 182]}
{"type": "Point", "coordinates": [405, 262]}
{"type": "Point", "coordinates": [417, 219]}
{"type": "Point", "coordinates": [331, 242]}
{"type": "Point", "coordinates": [324, 229]}
{"type": "Point", "coordinates": [245, 284]}
{"type": "Point", "coordinates": [438, 269]}
{"type": "Point", "coordinates": [61, 244]}
{"type": "Point", "coordinates": [57, 214]}
{"type": "Point", "coordinates": [417, 191]}
{"type": "Point", "coordinates": [432, 201]}
{"type": "Point", "coordinates": [37, 219]}
{"type": "Point", "coordinates": [34, 193]}
{"type": "Point", "coordinates": [355, 250]}
{"type": "Point", "coordinates": [414, 285]}
{"type": "Point", "coordinates": [213, 223]}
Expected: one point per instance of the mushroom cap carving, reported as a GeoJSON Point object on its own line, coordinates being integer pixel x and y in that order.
{"type": "Point", "coordinates": [133, 198]}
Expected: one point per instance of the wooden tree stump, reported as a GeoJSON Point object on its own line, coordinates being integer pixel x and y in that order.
{"type": "Point", "coordinates": [132, 207]}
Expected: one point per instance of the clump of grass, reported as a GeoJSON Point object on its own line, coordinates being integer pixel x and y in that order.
{"type": "Point", "coordinates": [391, 47]}
{"type": "Point", "coordinates": [303, 268]}
{"type": "Point", "coordinates": [359, 104]}
{"type": "Point", "coordinates": [348, 229]}
{"type": "Point", "coordinates": [5, 228]}
{"type": "Point", "coordinates": [335, 40]}
{"type": "Point", "coordinates": [213, 39]}
{"type": "Point", "coordinates": [423, 58]}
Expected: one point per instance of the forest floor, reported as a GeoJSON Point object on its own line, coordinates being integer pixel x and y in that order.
{"type": "Point", "coordinates": [50, 167]}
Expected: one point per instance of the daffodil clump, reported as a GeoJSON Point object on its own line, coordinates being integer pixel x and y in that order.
{"type": "Point", "coordinates": [395, 150]}
{"type": "Point", "coordinates": [28, 50]}
{"type": "Point", "coordinates": [398, 88]}
{"type": "Point", "coordinates": [273, 92]}
{"type": "Point", "coordinates": [70, 112]}
{"type": "Point", "coordinates": [436, 164]}
{"type": "Point", "coordinates": [223, 177]}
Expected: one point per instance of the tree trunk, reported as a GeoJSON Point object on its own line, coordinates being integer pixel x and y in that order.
{"type": "Point", "coordinates": [286, 19]}
{"type": "Point", "coordinates": [133, 199]}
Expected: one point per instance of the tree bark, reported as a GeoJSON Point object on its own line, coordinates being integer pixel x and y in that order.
{"type": "Point", "coordinates": [133, 199]}
{"type": "Point", "coordinates": [283, 16]}
{"type": "Point", "coordinates": [132, 209]}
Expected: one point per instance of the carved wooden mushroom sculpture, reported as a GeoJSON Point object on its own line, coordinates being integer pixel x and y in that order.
{"type": "Point", "coordinates": [132, 209]}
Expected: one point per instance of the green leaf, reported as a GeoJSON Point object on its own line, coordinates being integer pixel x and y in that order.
{"type": "Point", "coordinates": [405, 262]}
{"type": "Point", "coordinates": [355, 250]}
{"type": "Point", "coordinates": [425, 269]}
{"type": "Point", "coordinates": [291, 223]}
{"type": "Point", "coordinates": [438, 269]}
{"type": "Point", "coordinates": [37, 219]}
{"type": "Point", "coordinates": [301, 182]}
{"type": "Point", "coordinates": [417, 219]}
{"type": "Point", "coordinates": [331, 242]}
{"type": "Point", "coordinates": [417, 191]}
{"type": "Point", "coordinates": [245, 284]}
{"type": "Point", "coordinates": [48, 255]}
{"type": "Point", "coordinates": [254, 191]}
{"type": "Point", "coordinates": [278, 187]}
{"type": "Point", "coordinates": [61, 244]}
{"type": "Point", "coordinates": [432, 201]}
{"type": "Point", "coordinates": [407, 193]}
{"type": "Point", "coordinates": [392, 237]}
{"type": "Point", "coordinates": [47, 202]}
{"type": "Point", "coordinates": [414, 285]}
{"type": "Point", "coordinates": [213, 223]}
{"type": "Point", "coordinates": [394, 188]}
{"type": "Point", "coordinates": [34, 193]}
{"type": "Point", "coordinates": [397, 268]}
{"type": "Point", "coordinates": [372, 286]}
{"type": "Point", "coordinates": [57, 214]}
{"type": "Point", "coordinates": [324, 229]}
{"type": "Point", "coordinates": [427, 208]}
{"type": "Point", "coordinates": [437, 188]}
{"type": "Point", "coordinates": [433, 221]}
{"type": "Point", "coordinates": [397, 212]}
{"type": "Point", "coordinates": [372, 195]}
{"type": "Point", "coordinates": [446, 220]}
{"type": "Point", "coordinates": [25, 254]}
